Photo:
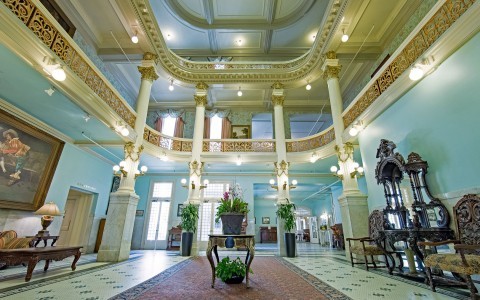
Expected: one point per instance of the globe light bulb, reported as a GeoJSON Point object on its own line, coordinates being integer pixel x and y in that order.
{"type": "Point", "coordinates": [183, 181]}
{"type": "Point", "coordinates": [134, 39]}
{"type": "Point", "coordinates": [124, 131]}
{"type": "Point", "coordinates": [272, 181]}
{"type": "Point", "coordinates": [239, 93]}
{"type": "Point", "coordinates": [308, 87]}
{"type": "Point", "coordinates": [116, 168]}
{"type": "Point", "coordinates": [333, 169]}
{"type": "Point", "coordinates": [355, 165]}
{"type": "Point", "coordinates": [294, 182]}
{"type": "Point", "coordinates": [353, 131]}
{"type": "Point", "coordinates": [170, 87]}
{"type": "Point", "coordinates": [123, 164]}
{"type": "Point", "coordinates": [415, 73]}
{"type": "Point", "coordinates": [345, 38]}
{"type": "Point", "coordinates": [59, 74]}
{"type": "Point", "coordinates": [144, 169]}
{"type": "Point", "coordinates": [205, 182]}
{"type": "Point", "coordinates": [360, 169]}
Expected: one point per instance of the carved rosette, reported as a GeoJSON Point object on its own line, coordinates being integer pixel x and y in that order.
{"type": "Point", "coordinates": [278, 100]}
{"type": "Point", "coordinates": [148, 73]}
{"type": "Point", "coordinates": [331, 72]}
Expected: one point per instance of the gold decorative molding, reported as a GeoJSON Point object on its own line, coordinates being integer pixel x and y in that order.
{"type": "Point", "coordinates": [130, 152]}
{"type": "Point", "coordinates": [238, 146]}
{"type": "Point", "coordinates": [346, 153]}
{"type": "Point", "coordinates": [331, 55]}
{"type": "Point", "coordinates": [277, 85]}
{"type": "Point", "coordinates": [200, 100]}
{"type": "Point", "coordinates": [190, 72]}
{"type": "Point", "coordinates": [278, 100]}
{"type": "Point", "coordinates": [445, 16]}
{"type": "Point", "coordinates": [148, 73]}
{"type": "Point", "coordinates": [53, 38]}
{"type": "Point", "coordinates": [195, 168]}
{"type": "Point", "coordinates": [150, 56]}
{"type": "Point", "coordinates": [201, 86]}
{"type": "Point", "coordinates": [331, 72]}
{"type": "Point", "coordinates": [281, 168]}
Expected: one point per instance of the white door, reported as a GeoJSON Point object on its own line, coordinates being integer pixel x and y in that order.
{"type": "Point", "coordinates": [157, 232]}
{"type": "Point", "coordinates": [313, 230]}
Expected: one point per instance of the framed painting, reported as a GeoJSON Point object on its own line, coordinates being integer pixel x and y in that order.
{"type": "Point", "coordinates": [28, 159]}
{"type": "Point", "coordinates": [265, 220]}
{"type": "Point", "coordinates": [179, 210]}
{"type": "Point", "coordinates": [241, 132]}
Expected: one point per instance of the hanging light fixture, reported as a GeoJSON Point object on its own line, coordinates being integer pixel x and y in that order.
{"type": "Point", "coordinates": [239, 93]}
{"type": "Point", "coordinates": [308, 86]}
{"type": "Point", "coordinates": [239, 161]}
{"type": "Point", "coordinates": [345, 36]}
{"type": "Point", "coordinates": [170, 87]}
{"type": "Point", "coordinates": [134, 37]}
{"type": "Point", "coordinates": [416, 73]}
{"type": "Point", "coordinates": [59, 73]}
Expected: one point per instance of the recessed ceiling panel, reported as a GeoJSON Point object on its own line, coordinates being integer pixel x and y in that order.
{"type": "Point", "coordinates": [249, 9]}
{"type": "Point", "coordinates": [193, 7]}
{"type": "Point", "coordinates": [228, 40]}
{"type": "Point", "coordinates": [231, 95]}
{"type": "Point", "coordinates": [286, 7]}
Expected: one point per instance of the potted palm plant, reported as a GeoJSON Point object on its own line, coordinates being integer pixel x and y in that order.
{"type": "Point", "coordinates": [232, 211]}
{"type": "Point", "coordinates": [189, 225]}
{"type": "Point", "coordinates": [286, 212]}
{"type": "Point", "coordinates": [231, 271]}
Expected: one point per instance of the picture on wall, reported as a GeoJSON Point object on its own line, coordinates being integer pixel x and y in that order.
{"type": "Point", "coordinates": [28, 158]}
{"type": "Point", "coordinates": [241, 132]}
{"type": "Point", "coordinates": [179, 210]}
{"type": "Point", "coordinates": [265, 220]}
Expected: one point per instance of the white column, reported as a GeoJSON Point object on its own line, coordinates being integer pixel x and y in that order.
{"type": "Point", "coordinates": [118, 230]}
{"type": "Point", "coordinates": [354, 206]}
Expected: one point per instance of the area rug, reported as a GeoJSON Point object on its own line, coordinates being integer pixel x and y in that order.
{"type": "Point", "coordinates": [273, 278]}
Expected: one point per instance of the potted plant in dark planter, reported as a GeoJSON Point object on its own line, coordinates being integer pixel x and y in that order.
{"type": "Point", "coordinates": [286, 212]}
{"type": "Point", "coordinates": [232, 211]}
{"type": "Point", "coordinates": [189, 225]}
{"type": "Point", "coordinates": [231, 271]}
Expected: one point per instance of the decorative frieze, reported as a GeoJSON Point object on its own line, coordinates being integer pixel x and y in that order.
{"type": "Point", "coordinates": [312, 143]}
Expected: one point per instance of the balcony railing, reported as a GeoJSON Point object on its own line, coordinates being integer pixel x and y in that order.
{"type": "Point", "coordinates": [234, 145]}
{"type": "Point", "coordinates": [312, 142]}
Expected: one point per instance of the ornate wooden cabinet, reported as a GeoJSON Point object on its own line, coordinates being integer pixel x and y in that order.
{"type": "Point", "coordinates": [268, 235]}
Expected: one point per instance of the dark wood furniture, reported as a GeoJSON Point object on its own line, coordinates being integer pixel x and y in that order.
{"type": "Point", "coordinates": [98, 241]}
{"type": "Point", "coordinates": [230, 241]}
{"type": "Point", "coordinates": [372, 245]}
{"type": "Point", "coordinates": [32, 256]}
{"type": "Point", "coordinates": [466, 261]}
{"type": "Point", "coordinates": [174, 238]}
{"type": "Point", "coordinates": [37, 239]}
{"type": "Point", "coordinates": [268, 235]}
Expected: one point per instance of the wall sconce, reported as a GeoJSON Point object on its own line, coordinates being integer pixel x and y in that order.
{"type": "Point", "coordinates": [336, 172]}
{"type": "Point", "coordinates": [120, 169]}
{"type": "Point", "coordinates": [345, 36]}
{"type": "Point", "coordinates": [417, 71]}
{"type": "Point", "coordinates": [356, 128]}
{"type": "Point", "coordinates": [205, 183]}
{"type": "Point", "coordinates": [284, 187]}
{"type": "Point", "coordinates": [184, 183]}
{"type": "Point", "coordinates": [54, 69]}
{"type": "Point", "coordinates": [358, 170]}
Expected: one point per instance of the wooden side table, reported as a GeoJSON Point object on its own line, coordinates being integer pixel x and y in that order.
{"type": "Point", "coordinates": [36, 240]}
{"type": "Point", "coordinates": [230, 241]}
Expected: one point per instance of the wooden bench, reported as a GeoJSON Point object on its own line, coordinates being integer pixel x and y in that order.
{"type": "Point", "coordinates": [32, 256]}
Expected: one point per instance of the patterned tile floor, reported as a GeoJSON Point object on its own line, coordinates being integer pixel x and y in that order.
{"type": "Point", "coordinates": [93, 280]}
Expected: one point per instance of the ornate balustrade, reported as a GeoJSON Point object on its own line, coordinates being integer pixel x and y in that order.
{"type": "Point", "coordinates": [234, 145]}
{"type": "Point", "coordinates": [167, 142]}
{"type": "Point", "coordinates": [312, 142]}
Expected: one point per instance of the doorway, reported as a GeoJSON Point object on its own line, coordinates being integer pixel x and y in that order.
{"type": "Point", "coordinates": [78, 219]}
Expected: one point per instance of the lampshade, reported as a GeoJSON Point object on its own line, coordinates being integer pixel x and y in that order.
{"type": "Point", "coordinates": [48, 209]}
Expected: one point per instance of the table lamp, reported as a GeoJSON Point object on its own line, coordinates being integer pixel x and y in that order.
{"type": "Point", "coordinates": [48, 210]}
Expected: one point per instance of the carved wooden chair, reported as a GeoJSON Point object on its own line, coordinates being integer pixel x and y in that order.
{"type": "Point", "coordinates": [466, 260]}
{"type": "Point", "coordinates": [367, 246]}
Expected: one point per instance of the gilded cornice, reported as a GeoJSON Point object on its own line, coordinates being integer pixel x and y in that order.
{"type": "Point", "coordinates": [278, 100]}
{"type": "Point", "coordinates": [277, 85]}
{"type": "Point", "coordinates": [331, 55]}
{"type": "Point", "coordinates": [200, 100]}
{"type": "Point", "coordinates": [331, 72]}
{"type": "Point", "coordinates": [148, 73]}
{"type": "Point", "coordinates": [190, 72]}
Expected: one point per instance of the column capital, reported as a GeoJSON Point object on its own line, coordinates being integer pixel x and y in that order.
{"type": "Point", "coordinates": [200, 100]}
{"type": "Point", "coordinates": [278, 100]}
{"type": "Point", "coordinates": [331, 55]}
{"type": "Point", "coordinates": [150, 56]}
{"type": "Point", "coordinates": [330, 72]}
{"type": "Point", "coordinates": [201, 86]}
{"type": "Point", "coordinates": [281, 168]}
{"type": "Point", "coordinates": [148, 73]}
{"type": "Point", "coordinates": [277, 85]}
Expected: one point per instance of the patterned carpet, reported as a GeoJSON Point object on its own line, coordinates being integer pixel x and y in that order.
{"type": "Point", "coordinates": [273, 278]}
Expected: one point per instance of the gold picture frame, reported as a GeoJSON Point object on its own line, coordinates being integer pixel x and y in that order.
{"type": "Point", "coordinates": [28, 159]}
{"type": "Point", "coordinates": [241, 132]}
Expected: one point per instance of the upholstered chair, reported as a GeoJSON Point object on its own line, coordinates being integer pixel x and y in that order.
{"type": "Point", "coordinates": [367, 246]}
{"type": "Point", "coordinates": [466, 260]}
{"type": "Point", "coordinates": [9, 240]}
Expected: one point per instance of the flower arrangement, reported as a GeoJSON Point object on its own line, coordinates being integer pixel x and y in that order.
{"type": "Point", "coordinates": [232, 202]}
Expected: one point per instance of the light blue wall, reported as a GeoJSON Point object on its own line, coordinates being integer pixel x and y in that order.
{"type": "Point", "coordinates": [438, 119]}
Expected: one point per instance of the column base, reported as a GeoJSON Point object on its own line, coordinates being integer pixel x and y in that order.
{"type": "Point", "coordinates": [354, 209]}
{"type": "Point", "coordinates": [117, 235]}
